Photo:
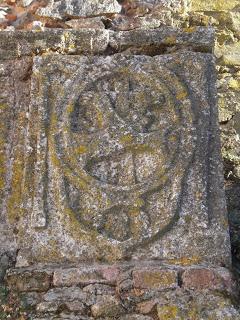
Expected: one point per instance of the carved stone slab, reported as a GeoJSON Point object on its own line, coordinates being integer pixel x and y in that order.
{"type": "Point", "coordinates": [126, 160]}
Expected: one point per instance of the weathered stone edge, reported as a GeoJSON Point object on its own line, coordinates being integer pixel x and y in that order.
{"type": "Point", "coordinates": [15, 44]}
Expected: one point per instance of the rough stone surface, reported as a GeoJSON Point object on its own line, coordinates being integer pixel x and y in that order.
{"type": "Point", "coordinates": [76, 276]}
{"type": "Point", "coordinates": [155, 279]}
{"type": "Point", "coordinates": [29, 281]}
{"type": "Point", "coordinates": [199, 38]}
{"type": "Point", "coordinates": [164, 160]}
{"type": "Point", "coordinates": [107, 307]}
{"type": "Point", "coordinates": [209, 279]}
{"type": "Point", "coordinates": [22, 43]}
{"type": "Point", "coordinates": [80, 8]}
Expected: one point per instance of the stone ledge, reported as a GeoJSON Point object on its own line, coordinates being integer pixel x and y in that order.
{"type": "Point", "coordinates": [26, 43]}
{"type": "Point", "coordinates": [95, 41]}
{"type": "Point", "coordinates": [197, 38]}
{"type": "Point", "coordinates": [153, 277]}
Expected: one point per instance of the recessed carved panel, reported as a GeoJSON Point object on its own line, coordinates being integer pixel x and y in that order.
{"type": "Point", "coordinates": [124, 152]}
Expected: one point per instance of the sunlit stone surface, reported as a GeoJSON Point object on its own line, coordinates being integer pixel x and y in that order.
{"type": "Point", "coordinates": [127, 163]}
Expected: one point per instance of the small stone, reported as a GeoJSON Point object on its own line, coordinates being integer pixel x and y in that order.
{"type": "Point", "coordinates": [146, 306]}
{"type": "Point", "coordinates": [75, 306]}
{"type": "Point", "coordinates": [48, 306]}
{"type": "Point", "coordinates": [107, 306]}
{"type": "Point", "coordinates": [90, 23]}
{"type": "Point", "coordinates": [65, 294]}
{"type": "Point", "coordinates": [157, 279]}
{"type": "Point", "coordinates": [85, 275]}
{"type": "Point", "coordinates": [210, 279]}
{"type": "Point", "coordinates": [110, 273]}
{"type": "Point", "coordinates": [29, 280]}
{"type": "Point", "coordinates": [75, 276]}
{"type": "Point", "coordinates": [230, 54]}
{"type": "Point", "coordinates": [31, 299]}
{"type": "Point", "coordinates": [99, 289]}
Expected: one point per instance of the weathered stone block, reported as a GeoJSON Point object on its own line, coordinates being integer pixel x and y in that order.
{"type": "Point", "coordinates": [62, 9]}
{"type": "Point", "coordinates": [120, 175]}
{"type": "Point", "coordinates": [25, 43]}
{"type": "Point", "coordinates": [210, 279]}
{"type": "Point", "coordinates": [29, 281]}
{"type": "Point", "coordinates": [65, 294]}
{"type": "Point", "coordinates": [108, 306]}
{"type": "Point", "coordinates": [100, 289]}
{"type": "Point", "coordinates": [158, 279]}
{"type": "Point", "coordinates": [127, 160]}
{"type": "Point", "coordinates": [119, 154]}
{"type": "Point", "coordinates": [200, 38]}
{"type": "Point", "coordinates": [85, 275]}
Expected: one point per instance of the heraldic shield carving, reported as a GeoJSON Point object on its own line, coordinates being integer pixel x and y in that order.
{"type": "Point", "coordinates": [118, 143]}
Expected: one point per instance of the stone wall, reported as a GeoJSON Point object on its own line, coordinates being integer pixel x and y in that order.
{"type": "Point", "coordinates": [52, 277]}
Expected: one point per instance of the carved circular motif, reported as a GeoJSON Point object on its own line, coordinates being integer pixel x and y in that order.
{"type": "Point", "coordinates": [123, 141]}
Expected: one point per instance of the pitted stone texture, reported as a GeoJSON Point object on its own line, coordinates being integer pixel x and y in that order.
{"type": "Point", "coordinates": [158, 279]}
{"type": "Point", "coordinates": [107, 306]}
{"type": "Point", "coordinates": [86, 275]}
{"type": "Point", "coordinates": [79, 8]}
{"type": "Point", "coordinates": [65, 294]}
{"type": "Point", "coordinates": [202, 39]}
{"type": "Point", "coordinates": [96, 41]}
{"type": "Point", "coordinates": [14, 101]}
{"type": "Point", "coordinates": [208, 279]}
{"type": "Point", "coordinates": [128, 158]}
{"type": "Point", "coordinates": [29, 281]}
{"type": "Point", "coordinates": [26, 43]}
{"type": "Point", "coordinates": [134, 8]}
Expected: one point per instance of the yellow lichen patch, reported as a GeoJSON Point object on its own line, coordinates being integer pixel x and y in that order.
{"type": "Point", "coordinates": [134, 213]}
{"type": "Point", "coordinates": [99, 118]}
{"type": "Point", "coordinates": [170, 40]}
{"type": "Point", "coordinates": [139, 202]}
{"type": "Point", "coordinates": [68, 43]}
{"type": "Point", "coordinates": [128, 138]}
{"type": "Point", "coordinates": [70, 108]}
{"type": "Point", "coordinates": [182, 95]}
{"type": "Point", "coordinates": [140, 148]}
{"type": "Point", "coordinates": [193, 313]}
{"type": "Point", "coordinates": [3, 134]}
{"type": "Point", "coordinates": [185, 261]}
{"type": "Point", "coordinates": [190, 29]}
{"type": "Point", "coordinates": [214, 5]}
{"type": "Point", "coordinates": [234, 84]}
{"type": "Point", "coordinates": [172, 139]}
{"type": "Point", "coordinates": [167, 312]}
{"type": "Point", "coordinates": [81, 149]}
{"type": "Point", "coordinates": [157, 279]}
{"type": "Point", "coordinates": [15, 200]}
